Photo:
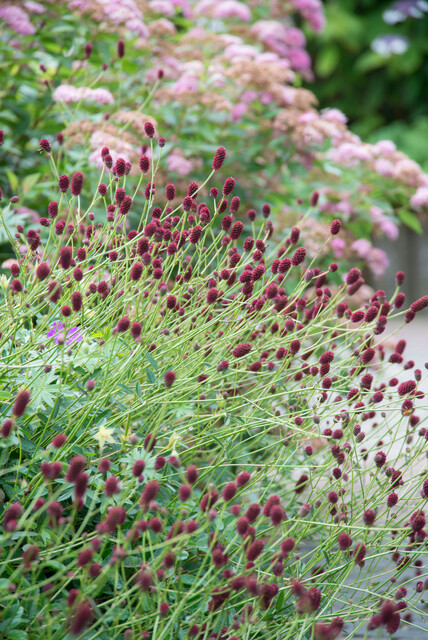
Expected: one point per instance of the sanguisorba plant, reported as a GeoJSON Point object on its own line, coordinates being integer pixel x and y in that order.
{"type": "Point", "coordinates": [182, 418]}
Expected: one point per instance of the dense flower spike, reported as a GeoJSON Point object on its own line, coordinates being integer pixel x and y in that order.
{"type": "Point", "coordinates": [419, 305]}
{"type": "Point", "coordinates": [45, 145]}
{"type": "Point", "coordinates": [120, 48]}
{"type": "Point", "coordinates": [228, 186]}
{"type": "Point", "coordinates": [169, 379]}
{"type": "Point", "coordinates": [149, 129]}
{"type": "Point", "coordinates": [241, 350]}
{"type": "Point", "coordinates": [170, 192]}
{"type": "Point", "coordinates": [219, 158]}
{"type": "Point", "coordinates": [64, 183]}
{"type": "Point", "coordinates": [335, 227]}
{"type": "Point", "coordinates": [43, 271]}
{"type": "Point", "coordinates": [21, 403]}
{"type": "Point", "coordinates": [76, 183]}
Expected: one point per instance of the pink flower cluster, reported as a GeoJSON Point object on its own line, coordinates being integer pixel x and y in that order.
{"type": "Point", "coordinates": [383, 157]}
{"type": "Point", "coordinates": [119, 12]}
{"type": "Point", "coordinates": [312, 11]}
{"type": "Point", "coordinates": [34, 7]}
{"type": "Point", "coordinates": [376, 258]}
{"type": "Point", "coordinates": [386, 225]}
{"type": "Point", "coordinates": [122, 149]}
{"type": "Point", "coordinates": [420, 198]}
{"type": "Point", "coordinates": [67, 93]}
{"type": "Point", "coordinates": [178, 163]}
{"type": "Point", "coordinates": [17, 19]}
{"type": "Point", "coordinates": [224, 9]}
{"type": "Point", "coordinates": [168, 7]}
{"type": "Point", "coordinates": [288, 42]}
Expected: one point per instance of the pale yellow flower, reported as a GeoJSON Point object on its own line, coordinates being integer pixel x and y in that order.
{"type": "Point", "coordinates": [104, 435]}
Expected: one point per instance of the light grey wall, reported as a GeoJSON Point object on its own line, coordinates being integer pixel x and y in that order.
{"type": "Point", "coordinates": [409, 254]}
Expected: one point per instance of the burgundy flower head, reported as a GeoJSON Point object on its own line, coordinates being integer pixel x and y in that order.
{"type": "Point", "coordinates": [21, 402]}
{"type": "Point", "coordinates": [63, 183]}
{"type": "Point", "coordinates": [45, 145]}
{"type": "Point", "coordinates": [120, 48]}
{"type": "Point", "coordinates": [335, 227]}
{"type": "Point", "coordinates": [77, 183]}
{"type": "Point", "coordinates": [149, 129]}
{"type": "Point", "coordinates": [169, 379]}
{"type": "Point", "coordinates": [219, 158]}
{"type": "Point", "coordinates": [228, 186]}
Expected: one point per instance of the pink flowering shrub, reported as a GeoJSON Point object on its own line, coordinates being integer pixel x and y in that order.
{"type": "Point", "coordinates": [197, 65]}
{"type": "Point", "coordinates": [201, 436]}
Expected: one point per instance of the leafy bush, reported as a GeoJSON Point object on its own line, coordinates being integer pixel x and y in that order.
{"type": "Point", "coordinates": [67, 77]}
{"type": "Point", "coordinates": [182, 413]}
{"type": "Point", "coordinates": [371, 61]}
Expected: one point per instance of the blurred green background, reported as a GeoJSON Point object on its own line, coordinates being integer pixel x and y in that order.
{"type": "Point", "coordinates": [371, 62]}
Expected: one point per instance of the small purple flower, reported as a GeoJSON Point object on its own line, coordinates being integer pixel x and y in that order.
{"type": "Point", "coordinates": [73, 334]}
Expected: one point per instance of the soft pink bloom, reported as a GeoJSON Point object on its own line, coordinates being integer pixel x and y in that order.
{"type": "Point", "coordinates": [170, 66]}
{"type": "Point", "coordinates": [337, 245]}
{"type": "Point", "coordinates": [376, 258]}
{"type": "Point", "coordinates": [249, 96]}
{"type": "Point", "coordinates": [385, 147]}
{"type": "Point", "coordinates": [34, 7]}
{"type": "Point", "coordinates": [312, 11]}
{"type": "Point", "coordinates": [408, 171]}
{"type": "Point", "coordinates": [197, 32]}
{"type": "Point", "coordinates": [293, 37]}
{"type": "Point", "coordinates": [237, 50]}
{"type": "Point", "coordinates": [389, 228]}
{"type": "Point", "coordinates": [270, 56]}
{"type": "Point", "coordinates": [334, 115]}
{"type": "Point", "coordinates": [102, 96]}
{"type": "Point", "coordinates": [216, 78]}
{"type": "Point", "coordinates": [309, 116]}
{"type": "Point", "coordinates": [420, 198]}
{"type": "Point", "coordinates": [349, 153]}
{"type": "Point", "coordinates": [17, 19]}
{"type": "Point", "coordinates": [118, 12]}
{"type": "Point", "coordinates": [299, 59]}
{"type": "Point", "coordinates": [186, 84]}
{"type": "Point", "coordinates": [165, 7]}
{"type": "Point", "coordinates": [118, 149]}
{"type": "Point", "coordinates": [238, 111]}
{"type": "Point", "coordinates": [384, 167]}
{"type": "Point", "coordinates": [177, 162]}
{"type": "Point", "coordinates": [67, 93]}
{"type": "Point", "coordinates": [362, 247]}
{"type": "Point", "coordinates": [185, 7]}
{"type": "Point", "coordinates": [232, 9]}
{"type": "Point", "coordinates": [378, 262]}
{"type": "Point", "coordinates": [343, 206]}
{"type": "Point", "coordinates": [266, 98]}
{"type": "Point", "coordinates": [289, 95]}
{"type": "Point", "coordinates": [267, 29]}
{"type": "Point", "coordinates": [376, 214]}
{"type": "Point", "coordinates": [167, 26]}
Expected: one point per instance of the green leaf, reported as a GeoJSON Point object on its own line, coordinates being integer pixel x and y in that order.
{"type": "Point", "coordinates": [327, 61]}
{"type": "Point", "coordinates": [410, 220]}
{"type": "Point", "coordinates": [152, 361]}
{"type": "Point", "coordinates": [150, 376]}
{"type": "Point", "coordinates": [16, 634]}
{"type": "Point", "coordinates": [370, 61]}
{"type": "Point", "coordinates": [13, 180]}
{"type": "Point", "coordinates": [29, 182]}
